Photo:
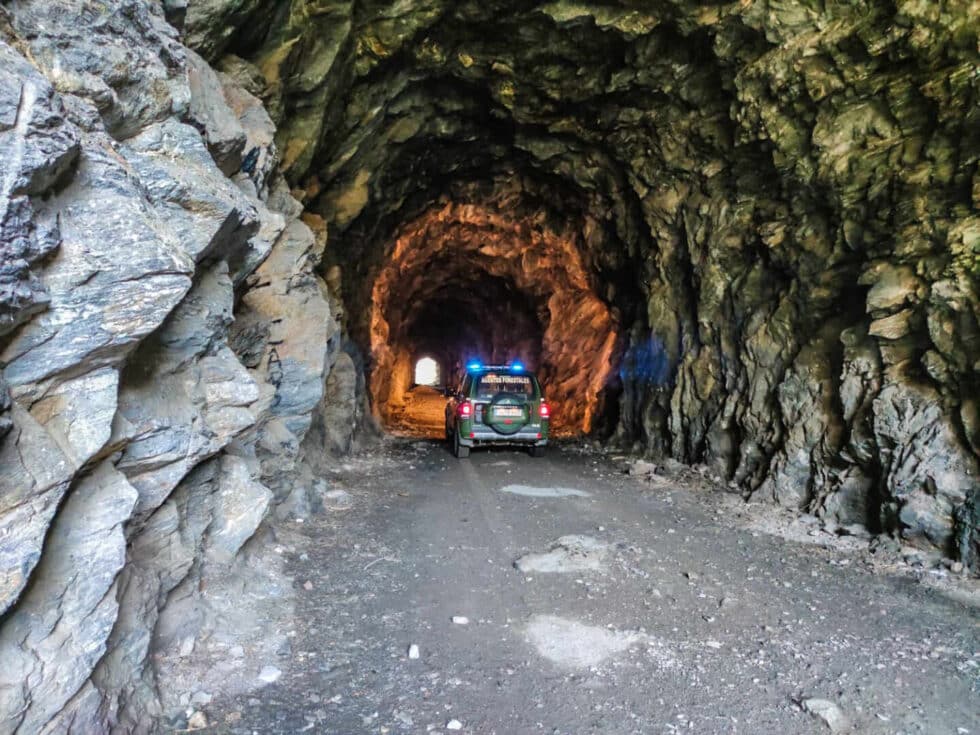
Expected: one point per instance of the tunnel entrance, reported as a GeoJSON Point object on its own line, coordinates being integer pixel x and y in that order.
{"type": "Point", "coordinates": [466, 281]}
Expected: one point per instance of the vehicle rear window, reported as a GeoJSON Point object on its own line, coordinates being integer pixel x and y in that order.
{"type": "Point", "coordinates": [490, 384]}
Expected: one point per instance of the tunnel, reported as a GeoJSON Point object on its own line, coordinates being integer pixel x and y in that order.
{"type": "Point", "coordinates": [250, 249]}
{"type": "Point", "coordinates": [468, 282]}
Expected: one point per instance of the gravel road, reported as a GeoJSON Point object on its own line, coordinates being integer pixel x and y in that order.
{"type": "Point", "coordinates": [561, 595]}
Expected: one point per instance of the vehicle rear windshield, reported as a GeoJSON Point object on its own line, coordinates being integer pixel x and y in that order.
{"type": "Point", "coordinates": [490, 384]}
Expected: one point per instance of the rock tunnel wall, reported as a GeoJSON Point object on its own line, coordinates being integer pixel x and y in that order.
{"type": "Point", "coordinates": [775, 205]}
{"type": "Point", "coordinates": [167, 345]}
{"type": "Point", "coordinates": [777, 201]}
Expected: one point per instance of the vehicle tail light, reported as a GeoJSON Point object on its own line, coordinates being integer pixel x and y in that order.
{"type": "Point", "coordinates": [545, 410]}
{"type": "Point", "coordinates": [465, 410]}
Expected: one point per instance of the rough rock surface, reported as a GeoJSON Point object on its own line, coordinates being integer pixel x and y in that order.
{"type": "Point", "coordinates": [776, 201]}
{"type": "Point", "coordinates": [756, 247]}
{"type": "Point", "coordinates": [139, 209]}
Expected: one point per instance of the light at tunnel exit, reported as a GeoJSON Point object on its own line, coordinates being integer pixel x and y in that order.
{"type": "Point", "coordinates": [427, 372]}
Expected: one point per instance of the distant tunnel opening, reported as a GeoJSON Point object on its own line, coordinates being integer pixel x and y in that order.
{"type": "Point", "coordinates": [427, 372]}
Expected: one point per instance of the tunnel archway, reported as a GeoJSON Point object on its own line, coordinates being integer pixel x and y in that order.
{"type": "Point", "coordinates": [466, 281]}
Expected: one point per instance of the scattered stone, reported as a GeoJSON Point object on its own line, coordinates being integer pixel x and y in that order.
{"type": "Point", "coordinates": [828, 712]}
{"type": "Point", "coordinates": [307, 585]}
{"type": "Point", "coordinates": [454, 725]}
{"type": "Point", "coordinates": [857, 530]}
{"type": "Point", "coordinates": [461, 620]}
{"type": "Point", "coordinates": [197, 721]}
{"type": "Point", "coordinates": [337, 500]}
{"type": "Point", "coordinates": [269, 674]}
{"type": "Point", "coordinates": [642, 468]}
{"type": "Point", "coordinates": [413, 651]}
{"type": "Point", "coordinates": [884, 543]}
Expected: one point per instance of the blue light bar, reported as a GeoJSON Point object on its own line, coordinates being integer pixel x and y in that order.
{"type": "Point", "coordinates": [516, 367]}
{"type": "Point", "coordinates": [475, 365]}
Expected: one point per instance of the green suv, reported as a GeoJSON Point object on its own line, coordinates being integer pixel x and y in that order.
{"type": "Point", "coordinates": [497, 404]}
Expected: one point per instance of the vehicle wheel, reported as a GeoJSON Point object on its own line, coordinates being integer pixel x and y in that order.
{"type": "Point", "coordinates": [536, 451]}
{"type": "Point", "coordinates": [459, 450]}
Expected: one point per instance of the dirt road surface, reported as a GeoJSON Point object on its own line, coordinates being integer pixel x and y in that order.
{"type": "Point", "coordinates": [561, 595]}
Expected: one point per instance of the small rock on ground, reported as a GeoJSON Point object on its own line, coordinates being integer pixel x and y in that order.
{"type": "Point", "coordinates": [269, 674]}
{"type": "Point", "coordinates": [827, 711]}
{"type": "Point", "coordinates": [197, 721]}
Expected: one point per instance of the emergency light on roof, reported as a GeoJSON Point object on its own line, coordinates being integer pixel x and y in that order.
{"type": "Point", "coordinates": [516, 367]}
{"type": "Point", "coordinates": [475, 365]}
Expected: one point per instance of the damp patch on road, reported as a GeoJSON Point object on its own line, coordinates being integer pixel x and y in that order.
{"type": "Point", "coordinates": [576, 645]}
{"type": "Point", "coordinates": [544, 492]}
{"type": "Point", "coordinates": [567, 554]}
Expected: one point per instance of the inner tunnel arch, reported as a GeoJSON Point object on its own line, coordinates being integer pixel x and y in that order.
{"type": "Point", "coordinates": [470, 280]}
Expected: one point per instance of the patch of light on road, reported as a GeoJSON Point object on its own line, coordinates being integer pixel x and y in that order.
{"type": "Point", "coordinates": [543, 492]}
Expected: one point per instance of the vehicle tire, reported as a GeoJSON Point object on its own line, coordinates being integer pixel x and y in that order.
{"type": "Point", "coordinates": [459, 450]}
{"type": "Point", "coordinates": [536, 451]}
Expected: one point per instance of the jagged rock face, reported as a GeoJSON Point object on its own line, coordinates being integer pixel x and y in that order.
{"type": "Point", "coordinates": [742, 234]}
{"type": "Point", "coordinates": [165, 342]}
{"type": "Point", "coordinates": [777, 200]}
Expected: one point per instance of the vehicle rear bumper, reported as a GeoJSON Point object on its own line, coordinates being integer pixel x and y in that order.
{"type": "Point", "coordinates": [481, 435]}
